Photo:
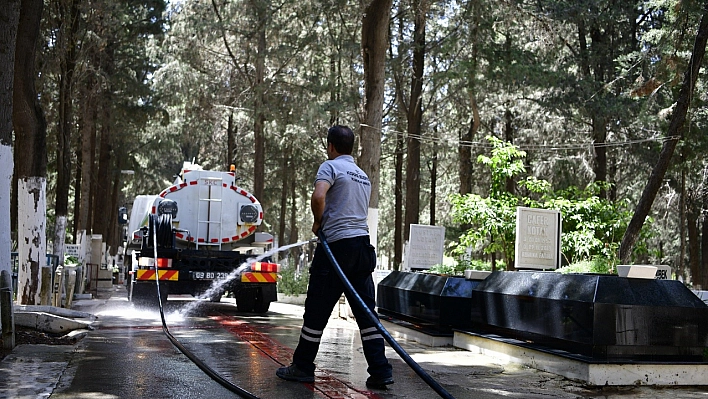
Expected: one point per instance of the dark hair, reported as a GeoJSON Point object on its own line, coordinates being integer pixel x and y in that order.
{"type": "Point", "coordinates": [342, 138]}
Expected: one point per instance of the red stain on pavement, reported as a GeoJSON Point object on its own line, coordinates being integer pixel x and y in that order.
{"type": "Point", "coordinates": [325, 384]}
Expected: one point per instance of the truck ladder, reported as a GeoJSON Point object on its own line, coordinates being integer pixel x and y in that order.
{"type": "Point", "coordinates": [211, 204]}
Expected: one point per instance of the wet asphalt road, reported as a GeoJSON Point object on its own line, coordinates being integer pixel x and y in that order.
{"type": "Point", "coordinates": [129, 356]}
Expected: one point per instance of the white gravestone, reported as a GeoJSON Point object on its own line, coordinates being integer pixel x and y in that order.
{"type": "Point", "coordinates": [71, 250]}
{"type": "Point", "coordinates": [538, 233]}
{"type": "Point", "coordinates": [425, 246]}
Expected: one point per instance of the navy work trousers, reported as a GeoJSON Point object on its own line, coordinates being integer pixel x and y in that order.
{"type": "Point", "coordinates": [357, 259]}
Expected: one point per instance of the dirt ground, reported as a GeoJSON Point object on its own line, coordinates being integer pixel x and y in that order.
{"type": "Point", "coordinates": [29, 336]}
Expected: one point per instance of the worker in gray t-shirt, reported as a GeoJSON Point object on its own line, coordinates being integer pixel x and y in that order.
{"type": "Point", "coordinates": [340, 204]}
{"type": "Point", "coordinates": [347, 199]}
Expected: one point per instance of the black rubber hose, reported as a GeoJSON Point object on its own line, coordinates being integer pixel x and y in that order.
{"type": "Point", "coordinates": [154, 222]}
{"type": "Point", "coordinates": [360, 303]}
{"type": "Point", "coordinates": [164, 231]}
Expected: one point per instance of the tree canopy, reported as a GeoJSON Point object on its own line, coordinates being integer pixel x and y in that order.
{"type": "Point", "coordinates": [586, 90]}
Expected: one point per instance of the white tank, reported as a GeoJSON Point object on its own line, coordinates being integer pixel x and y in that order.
{"type": "Point", "coordinates": [211, 210]}
{"type": "Point", "coordinates": [142, 205]}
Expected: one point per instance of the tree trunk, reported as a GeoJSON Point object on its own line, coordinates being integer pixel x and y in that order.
{"type": "Point", "coordinates": [9, 14]}
{"type": "Point", "coordinates": [681, 271]}
{"type": "Point", "coordinates": [398, 208]}
{"type": "Point", "coordinates": [599, 140]}
{"type": "Point", "coordinates": [374, 41]}
{"type": "Point", "coordinates": [674, 134]}
{"type": "Point", "coordinates": [401, 111]}
{"type": "Point", "coordinates": [704, 244]}
{"type": "Point", "coordinates": [694, 244]}
{"type": "Point", "coordinates": [102, 183]}
{"type": "Point", "coordinates": [67, 49]}
{"type": "Point", "coordinates": [334, 88]}
{"type": "Point", "coordinates": [592, 60]}
{"type": "Point", "coordinates": [32, 247]}
{"type": "Point", "coordinates": [259, 108]}
{"type": "Point", "coordinates": [433, 182]}
{"type": "Point", "coordinates": [30, 135]}
{"type": "Point", "coordinates": [415, 118]}
{"type": "Point", "coordinates": [231, 141]}
{"type": "Point", "coordinates": [509, 185]}
{"type": "Point", "coordinates": [466, 165]}
{"type": "Point", "coordinates": [434, 171]}
{"type": "Point", "coordinates": [294, 233]}
{"type": "Point", "coordinates": [285, 174]}
{"type": "Point", "coordinates": [88, 146]}
{"type": "Point", "coordinates": [112, 237]}
{"type": "Point", "coordinates": [77, 192]}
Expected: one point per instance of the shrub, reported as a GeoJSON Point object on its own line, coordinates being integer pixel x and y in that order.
{"type": "Point", "coordinates": [293, 283]}
{"type": "Point", "coordinates": [600, 265]}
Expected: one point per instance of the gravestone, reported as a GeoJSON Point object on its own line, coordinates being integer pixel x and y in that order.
{"type": "Point", "coordinates": [425, 247]}
{"type": "Point", "coordinates": [71, 250]}
{"type": "Point", "coordinates": [538, 234]}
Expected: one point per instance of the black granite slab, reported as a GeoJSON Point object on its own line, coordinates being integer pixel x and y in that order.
{"type": "Point", "coordinates": [428, 301]}
{"type": "Point", "coordinates": [601, 316]}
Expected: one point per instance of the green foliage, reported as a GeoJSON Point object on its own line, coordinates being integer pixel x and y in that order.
{"type": "Point", "coordinates": [592, 226]}
{"type": "Point", "coordinates": [476, 264]}
{"type": "Point", "coordinates": [71, 260]}
{"type": "Point", "coordinates": [293, 283]}
{"type": "Point", "coordinates": [599, 265]}
{"type": "Point", "coordinates": [493, 216]}
{"type": "Point", "coordinates": [448, 270]}
{"type": "Point", "coordinates": [458, 268]}
{"type": "Point", "coordinates": [493, 220]}
{"type": "Point", "coordinates": [506, 162]}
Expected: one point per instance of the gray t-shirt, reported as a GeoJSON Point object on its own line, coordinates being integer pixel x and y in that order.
{"type": "Point", "coordinates": [347, 200]}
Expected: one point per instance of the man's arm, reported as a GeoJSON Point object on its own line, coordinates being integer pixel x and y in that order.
{"type": "Point", "coordinates": [317, 203]}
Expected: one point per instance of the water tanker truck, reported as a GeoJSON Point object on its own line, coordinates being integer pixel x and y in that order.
{"type": "Point", "coordinates": [198, 231]}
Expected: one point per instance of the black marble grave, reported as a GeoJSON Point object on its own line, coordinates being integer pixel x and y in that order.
{"type": "Point", "coordinates": [431, 302]}
{"type": "Point", "coordinates": [601, 316]}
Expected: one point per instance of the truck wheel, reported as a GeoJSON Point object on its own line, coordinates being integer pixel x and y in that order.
{"type": "Point", "coordinates": [261, 306]}
{"type": "Point", "coordinates": [245, 301]}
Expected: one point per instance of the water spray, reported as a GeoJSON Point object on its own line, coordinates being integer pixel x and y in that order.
{"type": "Point", "coordinates": [236, 273]}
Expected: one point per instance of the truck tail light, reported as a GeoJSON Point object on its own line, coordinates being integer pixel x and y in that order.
{"type": "Point", "coordinates": [265, 267]}
{"type": "Point", "coordinates": [150, 262]}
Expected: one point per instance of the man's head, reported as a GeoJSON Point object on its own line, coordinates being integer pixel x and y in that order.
{"type": "Point", "coordinates": [342, 138]}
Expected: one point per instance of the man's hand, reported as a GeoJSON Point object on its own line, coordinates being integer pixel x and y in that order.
{"type": "Point", "coordinates": [316, 228]}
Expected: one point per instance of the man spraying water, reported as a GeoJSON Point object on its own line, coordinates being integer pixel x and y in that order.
{"type": "Point", "coordinates": [339, 205]}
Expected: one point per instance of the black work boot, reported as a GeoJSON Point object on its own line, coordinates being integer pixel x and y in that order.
{"type": "Point", "coordinates": [378, 382]}
{"type": "Point", "coordinates": [293, 373]}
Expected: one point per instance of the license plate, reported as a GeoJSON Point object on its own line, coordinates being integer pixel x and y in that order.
{"type": "Point", "coordinates": [208, 275]}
